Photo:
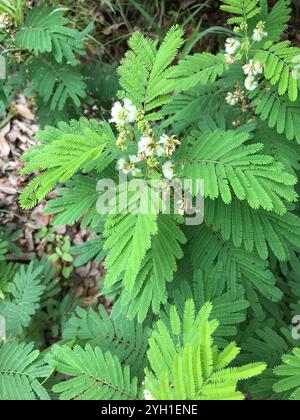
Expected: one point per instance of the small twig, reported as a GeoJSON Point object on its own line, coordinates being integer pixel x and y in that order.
{"type": "Point", "coordinates": [18, 258]}
{"type": "Point", "coordinates": [7, 119]}
{"type": "Point", "coordinates": [126, 21]}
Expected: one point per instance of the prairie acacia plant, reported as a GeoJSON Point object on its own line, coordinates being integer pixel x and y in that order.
{"type": "Point", "coordinates": [187, 299]}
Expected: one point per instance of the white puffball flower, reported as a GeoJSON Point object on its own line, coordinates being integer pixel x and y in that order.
{"type": "Point", "coordinates": [229, 59]}
{"type": "Point", "coordinates": [149, 148]}
{"type": "Point", "coordinates": [253, 69]}
{"type": "Point", "coordinates": [132, 166]}
{"type": "Point", "coordinates": [131, 110]}
{"type": "Point", "coordinates": [4, 20]}
{"type": "Point", "coordinates": [232, 45]}
{"type": "Point", "coordinates": [129, 167]}
{"type": "Point", "coordinates": [250, 83]}
{"type": "Point", "coordinates": [145, 146]}
{"type": "Point", "coordinates": [232, 99]}
{"type": "Point", "coordinates": [168, 169]}
{"type": "Point", "coordinates": [259, 34]}
{"type": "Point", "coordinates": [169, 144]}
{"type": "Point", "coordinates": [123, 114]}
{"type": "Point", "coordinates": [123, 166]}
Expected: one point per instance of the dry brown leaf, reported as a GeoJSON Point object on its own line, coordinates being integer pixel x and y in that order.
{"type": "Point", "coordinates": [4, 147]}
{"type": "Point", "coordinates": [24, 111]}
{"type": "Point", "coordinates": [8, 189]}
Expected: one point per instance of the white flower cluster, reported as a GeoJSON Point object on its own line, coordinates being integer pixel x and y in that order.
{"type": "Point", "coordinates": [232, 45]}
{"type": "Point", "coordinates": [233, 98]}
{"type": "Point", "coordinates": [168, 169]}
{"type": "Point", "coordinates": [129, 167]}
{"type": "Point", "coordinates": [123, 114]}
{"type": "Point", "coordinates": [251, 70]}
{"type": "Point", "coordinates": [4, 20]}
{"type": "Point", "coordinates": [169, 144]}
{"type": "Point", "coordinates": [259, 32]}
{"type": "Point", "coordinates": [149, 150]}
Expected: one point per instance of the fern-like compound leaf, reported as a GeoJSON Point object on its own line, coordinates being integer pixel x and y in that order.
{"type": "Point", "coordinates": [255, 230]}
{"type": "Point", "coordinates": [240, 267]}
{"type": "Point", "coordinates": [70, 149]}
{"type": "Point", "coordinates": [94, 375]}
{"type": "Point", "coordinates": [244, 9]}
{"type": "Point", "coordinates": [280, 67]}
{"type": "Point", "coordinates": [56, 83]}
{"type": "Point", "coordinates": [186, 365]}
{"type": "Point", "coordinates": [3, 249]}
{"type": "Point", "coordinates": [20, 373]}
{"type": "Point", "coordinates": [129, 238]}
{"type": "Point", "coordinates": [144, 71]}
{"type": "Point", "coordinates": [26, 291]}
{"type": "Point", "coordinates": [289, 371]}
{"type": "Point", "coordinates": [229, 167]}
{"type": "Point", "coordinates": [281, 113]}
{"type": "Point", "coordinates": [125, 339]}
{"type": "Point", "coordinates": [157, 269]}
{"type": "Point", "coordinates": [45, 31]}
{"type": "Point", "coordinates": [197, 69]}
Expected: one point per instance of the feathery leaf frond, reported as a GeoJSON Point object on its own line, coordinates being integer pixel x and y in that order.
{"type": "Point", "coordinates": [77, 200]}
{"type": "Point", "coordinates": [56, 83]}
{"type": "Point", "coordinates": [144, 71]}
{"type": "Point", "coordinates": [185, 365]}
{"type": "Point", "coordinates": [227, 166]}
{"type": "Point", "coordinates": [69, 150]}
{"type": "Point", "coordinates": [290, 371]}
{"type": "Point", "coordinates": [125, 339]}
{"type": "Point", "coordinates": [279, 111]}
{"type": "Point", "coordinates": [26, 291]}
{"type": "Point", "coordinates": [157, 269]}
{"type": "Point", "coordinates": [279, 67]}
{"type": "Point", "coordinates": [45, 31]}
{"type": "Point", "coordinates": [20, 373]}
{"type": "Point", "coordinates": [255, 230]}
{"type": "Point", "coordinates": [244, 9]}
{"type": "Point", "coordinates": [240, 267]}
{"type": "Point", "coordinates": [197, 69]}
{"type": "Point", "coordinates": [94, 375]}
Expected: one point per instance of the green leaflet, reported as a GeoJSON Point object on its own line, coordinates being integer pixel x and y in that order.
{"type": "Point", "coordinates": [20, 373]}
{"type": "Point", "coordinates": [197, 69]}
{"type": "Point", "coordinates": [243, 9]}
{"type": "Point", "coordinates": [69, 151]}
{"type": "Point", "coordinates": [279, 66]}
{"type": "Point", "coordinates": [125, 339]}
{"type": "Point", "coordinates": [26, 291]}
{"type": "Point", "coordinates": [144, 71]}
{"type": "Point", "coordinates": [156, 270]}
{"type": "Point", "coordinates": [45, 30]}
{"type": "Point", "coordinates": [94, 375]}
{"type": "Point", "coordinates": [289, 371]}
{"type": "Point", "coordinates": [229, 167]}
{"type": "Point", "coordinates": [281, 113]}
{"type": "Point", "coordinates": [255, 230]}
{"type": "Point", "coordinates": [186, 365]}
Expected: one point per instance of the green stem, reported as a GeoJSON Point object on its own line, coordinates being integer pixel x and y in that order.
{"type": "Point", "coordinates": [126, 21]}
{"type": "Point", "coordinates": [7, 119]}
